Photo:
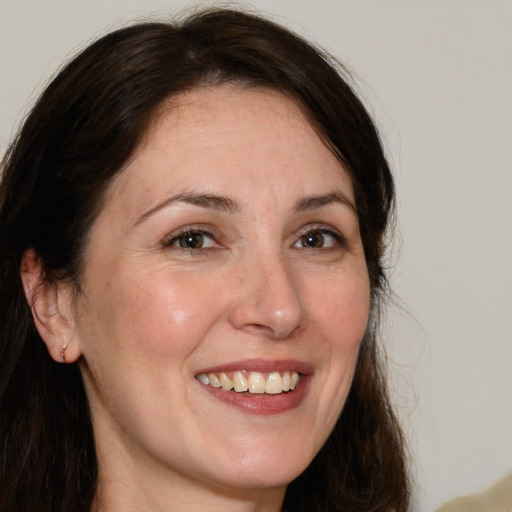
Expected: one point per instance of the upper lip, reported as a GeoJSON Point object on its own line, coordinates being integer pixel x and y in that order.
{"type": "Point", "coordinates": [262, 365]}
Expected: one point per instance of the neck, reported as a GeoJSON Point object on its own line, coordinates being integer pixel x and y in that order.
{"type": "Point", "coordinates": [118, 496]}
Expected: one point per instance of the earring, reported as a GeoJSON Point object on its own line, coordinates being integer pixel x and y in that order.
{"type": "Point", "coordinates": [62, 354]}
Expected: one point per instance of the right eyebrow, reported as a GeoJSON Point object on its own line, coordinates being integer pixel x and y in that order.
{"type": "Point", "coordinates": [207, 201]}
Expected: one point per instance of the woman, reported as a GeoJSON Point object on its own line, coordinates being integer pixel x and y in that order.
{"type": "Point", "coordinates": [192, 226]}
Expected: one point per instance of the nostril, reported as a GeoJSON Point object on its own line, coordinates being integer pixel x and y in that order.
{"type": "Point", "coordinates": [273, 332]}
{"type": "Point", "coordinates": [258, 329]}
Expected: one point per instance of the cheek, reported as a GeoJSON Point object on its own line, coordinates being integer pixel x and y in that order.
{"type": "Point", "coordinates": [341, 310]}
{"type": "Point", "coordinates": [155, 315]}
{"type": "Point", "coordinates": [137, 337]}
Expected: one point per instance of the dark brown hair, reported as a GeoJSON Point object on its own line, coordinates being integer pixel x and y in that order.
{"type": "Point", "coordinates": [83, 129]}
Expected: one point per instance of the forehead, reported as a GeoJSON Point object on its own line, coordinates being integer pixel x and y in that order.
{"type": "Point", "coordinates": [233, 139]}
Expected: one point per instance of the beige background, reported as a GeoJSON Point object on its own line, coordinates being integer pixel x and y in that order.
{"type": "Point", "coordinates": [438, 75]}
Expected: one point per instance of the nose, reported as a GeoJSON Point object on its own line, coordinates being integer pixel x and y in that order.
{"type": "Point", "coordinates": [268, 299]}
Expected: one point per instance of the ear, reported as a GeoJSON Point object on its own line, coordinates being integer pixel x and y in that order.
{"type": "Point", "coordinates": [52, 308]}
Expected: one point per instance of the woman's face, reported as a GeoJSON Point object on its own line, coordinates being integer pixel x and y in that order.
{"type": "Point", "coordinates": [227, 253]}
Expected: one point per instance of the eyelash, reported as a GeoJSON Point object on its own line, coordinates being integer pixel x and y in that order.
{"type": "Point", "coordinates": [190, 231]}
{"type": "Point", "coordinates": [323, 231]}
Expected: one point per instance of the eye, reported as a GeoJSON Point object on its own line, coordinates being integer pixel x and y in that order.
{"type": "Point", "coordinates": [318, 239]}
{"type": "Point", "coordinates": [192, 240]}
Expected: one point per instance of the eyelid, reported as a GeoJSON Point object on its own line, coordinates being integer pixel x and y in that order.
{"type": "Point", "coordinates": [322, 228]}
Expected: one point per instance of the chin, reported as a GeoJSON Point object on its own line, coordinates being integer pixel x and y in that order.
{"type": "Point", "coordinates": [264, 469]}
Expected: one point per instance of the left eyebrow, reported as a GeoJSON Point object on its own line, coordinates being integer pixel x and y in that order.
{"type": "Point", "coordinates": [209, 201]}
{"type": "Point", "coordinates": [316, 202]}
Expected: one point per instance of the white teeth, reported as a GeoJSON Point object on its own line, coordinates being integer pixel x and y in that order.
{"type": "Point", "coordinates": [256, 383]}
{"type": "Point", "coordinates": [274, 384]}
{"type": "Point", "coordinates": [253, 382]}
{"type": "Point", "coordinates": [226, 383]}
{"type": "Point", "coordinates": [239, 382]}
{"type": "Point", "coordinates": [202, 377]}
{"type": "Point", "coordinates": [286, 381]}
{"type": "Point", "coordinates": [294, 379]}
{"type": "Point", "coordinates": [214, 380]}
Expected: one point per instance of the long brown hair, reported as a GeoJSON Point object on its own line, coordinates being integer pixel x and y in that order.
{"type": "Point", "coordinates": [85, 126]}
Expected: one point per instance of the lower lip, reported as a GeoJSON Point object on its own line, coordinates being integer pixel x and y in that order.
{"type": "Point", "coordinates": [262, 403]}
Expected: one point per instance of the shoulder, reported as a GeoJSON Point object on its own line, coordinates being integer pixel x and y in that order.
{"type": "Point", "coordinates": [497, 498]}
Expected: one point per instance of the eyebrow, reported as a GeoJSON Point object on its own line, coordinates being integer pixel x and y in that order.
{"type": "Point", "coordinates": [207, 201]}
{"type": "Point", "coordinates": [316, 202]}
{"type": "Point", "coordinates": [228, 205]}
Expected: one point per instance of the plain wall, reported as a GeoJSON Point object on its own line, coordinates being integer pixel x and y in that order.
{"type": "Point", "coordinates": [438, 76]}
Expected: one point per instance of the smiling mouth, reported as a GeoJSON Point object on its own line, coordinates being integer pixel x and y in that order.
{"type": "Point", "coordinates": [258, 383]}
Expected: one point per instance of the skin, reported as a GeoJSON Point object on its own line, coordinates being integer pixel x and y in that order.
{"type": "Point", "coordinates": [152, 314]}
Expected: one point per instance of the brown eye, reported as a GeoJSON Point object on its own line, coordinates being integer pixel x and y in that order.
{"type": "Point", "coordinates": [312, 240]}
{"type": "Point", "coordinates": [317, 240]}
{"type": "Point", "coordinates": [192, 240]}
